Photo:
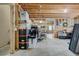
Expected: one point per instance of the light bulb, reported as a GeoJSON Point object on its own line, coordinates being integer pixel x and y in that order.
{"type": "Point", "coordinates": [40, 21]}
{"type": "Point", "coordinates": [65, 10]}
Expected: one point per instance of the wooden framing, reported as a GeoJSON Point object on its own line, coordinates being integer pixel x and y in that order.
{"type": "Point", "coordinates": [52, 10]}
{"type": "Point", "coordinates": [12, 28]}
{"type": "Point", "coordinates": [14, 8]}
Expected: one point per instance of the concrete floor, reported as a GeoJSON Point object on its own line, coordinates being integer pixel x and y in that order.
{"type": "Point", "coordinates": [49, 47]}
{"type": "Point", "coordinates": [4, 51]}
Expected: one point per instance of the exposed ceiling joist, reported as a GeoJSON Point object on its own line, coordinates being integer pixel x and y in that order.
{"type": "Point", "coordinates": [51, 10]}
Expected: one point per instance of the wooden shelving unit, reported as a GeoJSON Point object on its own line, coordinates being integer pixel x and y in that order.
{"type": "Point", "coordinates": [17, 18]}
{"type": "Point", "coordinates": [22, 23]}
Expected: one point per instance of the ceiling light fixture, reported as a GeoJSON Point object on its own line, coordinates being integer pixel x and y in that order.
{"type": "Point", "coordinates": [65, 10]}
{"type": "Point", "coordinates": [40, 21]}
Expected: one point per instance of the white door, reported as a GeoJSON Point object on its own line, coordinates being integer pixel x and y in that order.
{"type": "Point", "coordinates": [4, 24]}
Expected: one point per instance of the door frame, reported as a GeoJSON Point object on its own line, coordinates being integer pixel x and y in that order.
{"type": "Point", "coordinates": [12, 28]}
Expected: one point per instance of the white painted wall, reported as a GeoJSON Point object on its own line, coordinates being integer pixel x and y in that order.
{"type": "Point", "coordinates": [4, 24]}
